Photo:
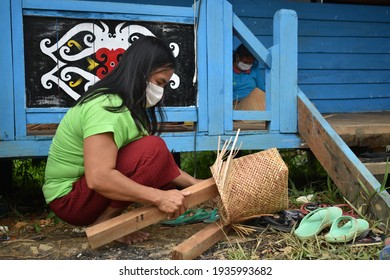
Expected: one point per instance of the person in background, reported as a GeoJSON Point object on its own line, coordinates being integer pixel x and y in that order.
{"type": "Point", "coordinates": [248, 81]}
{"type": "Point", "coordinates": [106, 153]}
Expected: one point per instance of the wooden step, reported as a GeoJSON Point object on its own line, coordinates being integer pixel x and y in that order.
{"type": "Point", "coordinates": [346, 170]}
{"type": "Point", "coordinates": [378, 168]}
{"type": "Point", "coordinates": [368, 129]}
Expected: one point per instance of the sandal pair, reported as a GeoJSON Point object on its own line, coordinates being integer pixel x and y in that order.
{"type": "Point", "coordinates": [310, 206]}
{"type": "Point", "coordinates": [342, 228]}
{"type": "Point", "coordinates": [193, 216]}
{"type": "Point", "coordinates": [282, 221]}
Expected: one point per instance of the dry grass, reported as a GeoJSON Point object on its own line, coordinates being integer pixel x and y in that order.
{"type": "Point", "coordinates": [271, 244]}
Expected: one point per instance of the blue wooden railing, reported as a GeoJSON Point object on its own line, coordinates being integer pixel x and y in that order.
{"type": "Point", "coordinates": [216, 25]}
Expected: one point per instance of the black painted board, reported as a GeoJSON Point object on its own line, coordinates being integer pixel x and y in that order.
{"type": "Point", "coordinates": [65, 56]}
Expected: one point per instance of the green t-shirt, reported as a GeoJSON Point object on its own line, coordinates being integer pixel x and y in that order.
{"type": "Point", "coordinates": [65, 163]}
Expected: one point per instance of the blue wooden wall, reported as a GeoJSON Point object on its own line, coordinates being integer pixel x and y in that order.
{"type": "Point", "coordinates": [343, 51]}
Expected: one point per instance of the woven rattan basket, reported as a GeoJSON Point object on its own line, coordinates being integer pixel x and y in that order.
{"type": "Point", "coordinates": [249, 186]}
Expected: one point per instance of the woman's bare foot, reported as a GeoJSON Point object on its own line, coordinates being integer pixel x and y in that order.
{"type": "Point", "coordinates": [131, 238]}
{"type": "Point", "coordinates": [134, 237]}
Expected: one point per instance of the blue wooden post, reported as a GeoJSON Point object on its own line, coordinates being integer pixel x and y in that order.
{"type": "Point", "coordinates": [228, 64]}
{"type": "Point", "coordinates": [201, 54]}
{"type": "Point", "coordinates": [7, 114]}
{"type": "Point", "coordinates": [272, 85]}
{"type": "Point", "coordinates": [286, 41]}
{"type": "Point", "coordinates": [215, 65]}
{"type": "Point", "coordinates": [19, 70]}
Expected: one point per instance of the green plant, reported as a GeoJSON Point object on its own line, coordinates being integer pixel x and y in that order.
{"type": "Point", "coordinates": [303, 167]}
{"type": "Point", "coordinates": [28, 176]}
{"type": "Point", "coordinates": [368, 196]}
{"type": "Point", "coordinates": [198, 163]}
{"type": "Point", "coordinates": [28, 172]}
{"type": "Point", "coordinates": [54, 217]}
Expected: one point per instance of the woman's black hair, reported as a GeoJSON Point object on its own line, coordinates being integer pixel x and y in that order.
{"type": "Point", "coordinates": [129, 80]}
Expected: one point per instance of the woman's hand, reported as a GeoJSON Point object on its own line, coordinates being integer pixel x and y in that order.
{"type": "Point", "coordinates": [100, 154]}
{"type": "Point", "coordinates": [172, 202]}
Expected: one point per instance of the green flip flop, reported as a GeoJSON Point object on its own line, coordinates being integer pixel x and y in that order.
{"type": "Point", "coordinates": [345, 229]}
{"type": "Point", "coordinates": [189, 217]}
{"type": "Point", "coordinates": [314, 222]}
{"type": "Point", "coordinates": [213, 217]}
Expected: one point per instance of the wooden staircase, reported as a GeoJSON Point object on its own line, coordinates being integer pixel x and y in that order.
{"type": "Point", "coordinates": [355, 181]}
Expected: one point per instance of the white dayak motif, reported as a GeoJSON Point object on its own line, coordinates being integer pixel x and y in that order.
{"type": "Point", "coordinates": [97, 40]}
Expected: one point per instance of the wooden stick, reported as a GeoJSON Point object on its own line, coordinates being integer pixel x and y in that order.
{"type": "Point", "coordinates": [199, 242]}
{"type": "Point", "coordinates": [137, 219]}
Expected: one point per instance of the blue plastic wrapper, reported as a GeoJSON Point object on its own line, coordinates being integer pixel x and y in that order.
{"type": "Point", "coordinates": [385, 253]}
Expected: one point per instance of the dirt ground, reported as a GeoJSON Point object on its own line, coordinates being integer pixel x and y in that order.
{"type": "Point", "coordinates": [37, 235]}
{"type": "Point", "coordinates": [28, 230]}
{"type": "Point", "coordinates": [62, 241]}
{"type": "Point", "coordinates": [34, 236]}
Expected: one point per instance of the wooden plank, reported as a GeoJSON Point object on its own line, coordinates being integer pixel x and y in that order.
{"type": "Point", "coordinates": [312, 11]}
{"type": "Point", "coordinates": [215, 65]}
{"type": "Point", "coordinates": [199, 242]}
{"type": "Point", "coordinates": [54, 115]}
{"type": "Point", "coordinates": [285, 37]}
{"type": "Point", "coordinates": [377, 168]}
{"type": "Point", "coordinates": [31, 148]}
{"type": "Point", "coordinates": [228, 65]}
{"type": "Point", "coordinates": [340, 77]}
{"type": "Point", "coordinates": [272, 84]}
{"type": "Point", "coordinates": [137, 219]}
{"type": "Point", "coordinates": [353, 61]}
{"type": "Point", "coordinates": [342, 165]}
{"type": "Point", "coordinates": [352, 105]}
{"type": "Point", "coordinates": [201, 71]}
{"type": "Point", "coordinates": [345, 45]}
{"type": "Point", "coordinates": [38, 146]}
{"type": "Point", "coordinates": [18, 57]}
{"type": "Point", "coordinates": [345, 91]}
{"type": "Point", "coordinates": [371, 129]}
{"type": "Point", "coordinates": [165, 13]}
{"type": "Point", "coordinates": [369, 122]}
{"type": "Point", "coordinates": [7, 115]}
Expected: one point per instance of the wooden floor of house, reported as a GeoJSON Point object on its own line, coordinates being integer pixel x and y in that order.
{"type": "Point", "coordinates": [370, 129]}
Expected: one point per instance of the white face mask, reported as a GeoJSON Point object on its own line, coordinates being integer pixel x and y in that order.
{"type": "Point", "coordinates": [243, 66]}
{"type": "Point", "coordinates": [154, 94]}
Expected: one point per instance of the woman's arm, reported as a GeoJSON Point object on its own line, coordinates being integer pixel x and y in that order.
{"type": "Point", "coordinates": [185, 180]}
{"type": "Point", "coordinates": [100, 154]}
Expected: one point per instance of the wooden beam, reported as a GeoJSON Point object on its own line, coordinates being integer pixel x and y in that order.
{"type": "Point", "coordinates": [378, 168]}
{"type": "Point", "coordinates": [371, 129]}
{"type": "Point", "coordinates": [199, 242]}
{"type": "Point", "coordinates": [342, 165]}
{"type": "Point", "coordinates": [142, 217]}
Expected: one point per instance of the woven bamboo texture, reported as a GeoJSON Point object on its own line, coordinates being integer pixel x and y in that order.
{"type": "Point", "coordinates": [250, 186]}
